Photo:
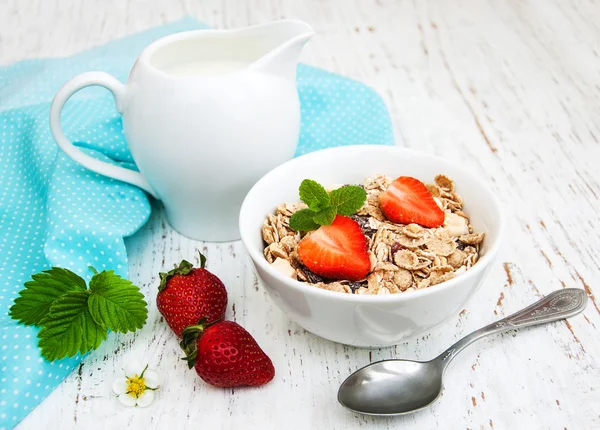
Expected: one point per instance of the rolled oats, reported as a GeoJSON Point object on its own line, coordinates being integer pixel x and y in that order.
{"type": "Point", "coordinates": [441, 244]}
{"type": "Point", "coordinates": [423, 283]}
{"type": "Point", "coordinates": [462, 214]}
{"type": "Point", "coordinates": [457, 198]}
{"type": "Point", "coordinates": [434, 190]}
{"type": "Point", "coordinates": [403, 279]}
{"type": "Point", "coordinates": [406, 259]}
{"type": "Point", "coordinates": [457, 258]}
{"type": "Point", "coordinates": [444, 182]}
{"type": "Point", "coordinates": [269, 230]}
{"type": "Point", "coordinates": [386, 267]}
{"type": "Point", "coordinates": [453, 205]}
{"type": "Point", "coordinates": [334, 286]}
{"type": "Point", "coordinates": [437, 278]}
{"type": "Point", "coordinates": [382, 252]}
{"type": "Point", "coordinates": [373, 283]}
{"type": "Point", "coordinates": [373, 260]}
{"type": "Point", "coordinates": [472, 239]}
{"type": "Point", "coordinates": [410, 242]}
{"type": "Point", "coordinates": [414, 230]}
{"type": "Point", "coordinates": [288, 209]}
{"type": "Point", "coordinates": [275, 251]}
{"type": "Point", "coordinates": [403, 257]}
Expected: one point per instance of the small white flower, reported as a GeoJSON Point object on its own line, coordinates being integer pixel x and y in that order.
{"type": "Point", "coordinates": [138, 385]}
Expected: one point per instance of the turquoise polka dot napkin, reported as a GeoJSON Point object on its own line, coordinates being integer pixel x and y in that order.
{"type": "Point", "coordinates": [55, 213]}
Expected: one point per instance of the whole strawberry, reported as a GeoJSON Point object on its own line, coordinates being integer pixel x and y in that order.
{"type": "Point", "coordinates": [224, 354]}
{"type": "Point", "coordinates": [186, 295]}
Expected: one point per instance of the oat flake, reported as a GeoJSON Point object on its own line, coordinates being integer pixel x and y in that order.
{"type": "Point", "coordinates": [403, 258]}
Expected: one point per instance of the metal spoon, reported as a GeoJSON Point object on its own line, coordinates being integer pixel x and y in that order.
{"type": "Point", "coordinates": [395, 387]}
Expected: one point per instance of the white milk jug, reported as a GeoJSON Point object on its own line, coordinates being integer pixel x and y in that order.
{"type": "Point", "coordinates": [205, 113]}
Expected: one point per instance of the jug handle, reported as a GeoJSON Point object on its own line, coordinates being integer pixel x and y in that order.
{"type": "Point", "coordinates": [117, 88]}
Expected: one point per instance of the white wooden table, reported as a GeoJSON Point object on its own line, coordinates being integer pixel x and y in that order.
{"type": "Point", "coordinates": [510, 89]}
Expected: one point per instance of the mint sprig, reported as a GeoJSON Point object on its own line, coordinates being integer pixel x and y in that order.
{"type": "Point", "coordinates": [303, 220]}
{"type": "Point", "coordinates": [74, 319]}
{"type": "Point", "coordinates": [323, 207]}
{"type": "Point", "coordinates": [348, 200]}
{"type": "Point", "coordinates": [314, 195]}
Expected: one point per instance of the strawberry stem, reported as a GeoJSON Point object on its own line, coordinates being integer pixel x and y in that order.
{"type": "Point", "coordinates": [202, 259]}
{"type": "Point", "coordinates": [189, 339]}
{"type": "Point", "coordinates": [185, 268]}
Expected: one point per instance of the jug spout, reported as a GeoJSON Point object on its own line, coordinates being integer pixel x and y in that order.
{"type": "Point", "coordinates": [287, 38]}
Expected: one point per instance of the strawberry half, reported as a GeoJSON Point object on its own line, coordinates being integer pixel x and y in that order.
{"type": "Point", "coordinates": [336, 251]}
{"type": "Point", "coordinates": [408, 201]}
{"type": "Point", "coordinates": [224, 354]}
{"type": "Point", "coordinates": [187, 294]}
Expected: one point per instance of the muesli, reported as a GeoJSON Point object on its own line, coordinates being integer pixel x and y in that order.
{"type": "Point", "coordinates": [438, 245]}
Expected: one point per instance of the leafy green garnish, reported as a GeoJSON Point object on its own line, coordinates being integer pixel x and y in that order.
{"type": "Point", "coordinates": [39, 294]}
{"type": "Point", "coordinates": [303, 220]}
{"type": "Point", "coordinates": [314, 195]}
{"type": "Point", "coordinates": [326, 216]}
{"type": "Point", "coordinates": [116, 303]}
{"type": "Point", "coordinates": [73, 318]}
{"type": "Point", "coordinates": [323, 207]}
{"type": "Point", "coordinates": [69, 328]}
{"type": "Point", "coordinates": [348, 200]}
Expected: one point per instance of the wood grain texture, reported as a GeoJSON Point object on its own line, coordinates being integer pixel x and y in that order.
{"type": "Point", "coordinates": [510, 89]}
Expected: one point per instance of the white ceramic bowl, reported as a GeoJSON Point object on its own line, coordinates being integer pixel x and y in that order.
{"type": "Point", "coordinates": [363, 320]}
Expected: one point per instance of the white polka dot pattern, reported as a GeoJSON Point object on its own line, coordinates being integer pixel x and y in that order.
{"type": "Point", "coordinates": [55, 213]}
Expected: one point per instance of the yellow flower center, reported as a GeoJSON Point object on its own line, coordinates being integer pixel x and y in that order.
{"type": "Point", "coordinates": [136, 386]}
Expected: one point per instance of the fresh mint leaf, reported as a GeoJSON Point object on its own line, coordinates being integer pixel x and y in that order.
{"type": "Point", "coordinates": [348, 199]}
{"type": "Point", "coordinates": [69, 328]}
{"type": "Point", "coordinates": [323, 207]}
{"type": "Point", "coordinates": [314, 195]}
{"type": "Point", "coordinates": [325, 216]}
{"type": "Point", "coordinates": [115, 303]}
{"type": "Point", "coordinates": [36, 298]}
{"type": "Point", "coordinates": [302, 220]}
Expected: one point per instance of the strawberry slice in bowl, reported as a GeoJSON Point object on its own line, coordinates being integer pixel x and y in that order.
{"type": "Point", "coordinates": [407, 200]}
{"type": "Point", "coordinates": [336, 251]}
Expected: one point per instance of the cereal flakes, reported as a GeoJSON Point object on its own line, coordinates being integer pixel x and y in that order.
{"type": "Point", "coordinates": [404, 258]}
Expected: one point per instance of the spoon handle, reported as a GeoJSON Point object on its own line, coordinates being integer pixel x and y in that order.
{"type": "Point", "coordinates": [555, 306]}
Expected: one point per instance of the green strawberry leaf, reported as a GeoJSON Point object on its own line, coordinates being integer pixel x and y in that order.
{"type": "Point", "coordinates": [314, 195]}
{"type": "Point", "coordinates": [69, 328]}
{"type": "Point", "coordinates": [36, 298]}
{"type": "Point", "coordinates": [325, 216]}
{"type": "Point", "coordinates": [348, 199]}
{"type": "Point", "coordinates": [303, 220]}
{"type": "Point", "coordinates": [115, 303]}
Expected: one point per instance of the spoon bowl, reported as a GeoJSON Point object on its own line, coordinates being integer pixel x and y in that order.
{"type": "Point", "coordinates": [392, 387]}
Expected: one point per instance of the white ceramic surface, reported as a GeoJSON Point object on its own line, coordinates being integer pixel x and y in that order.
{"type": "Point", "coordinates": [360, 320]}
{"type": "Point", "coordinates": [206, 114]}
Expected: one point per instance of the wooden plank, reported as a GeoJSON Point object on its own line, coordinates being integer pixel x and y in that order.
{"type": "Point", "coordinates": [509, 89]}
